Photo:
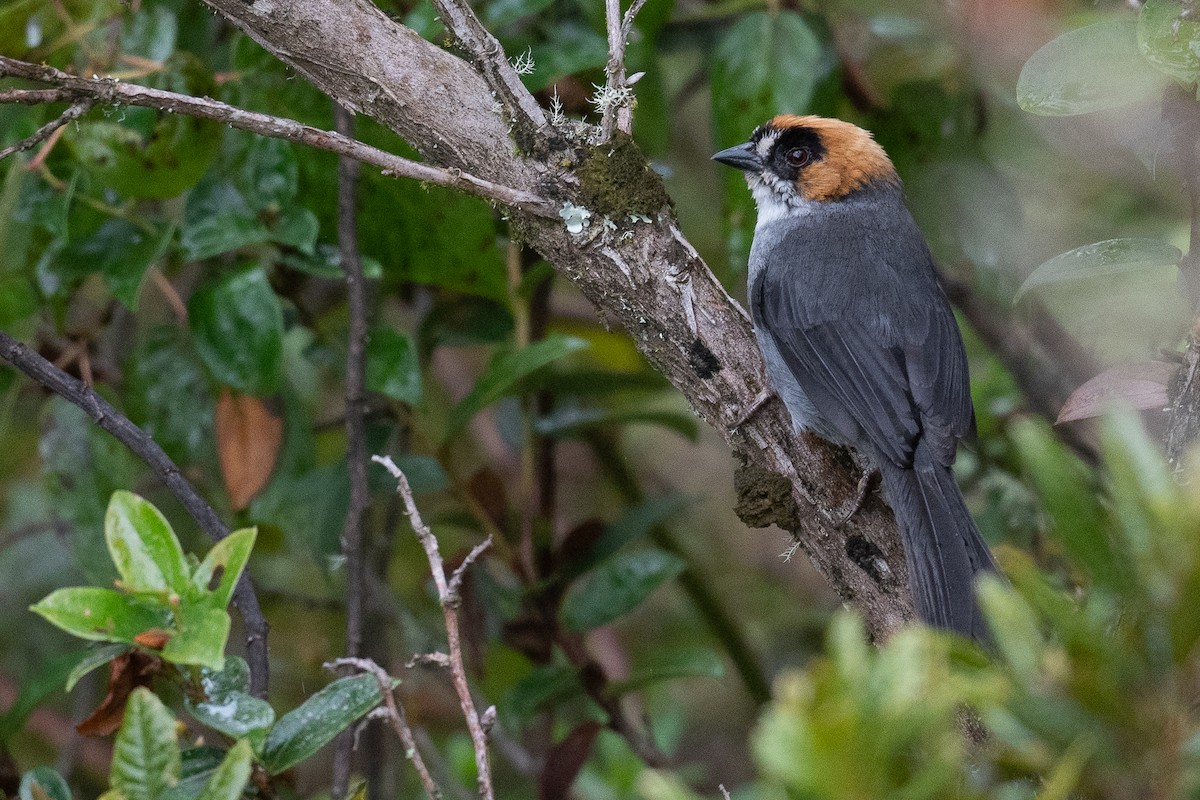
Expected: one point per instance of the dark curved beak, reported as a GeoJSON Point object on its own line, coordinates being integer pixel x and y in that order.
{"type": "Point", "coordinates": [742, 156]}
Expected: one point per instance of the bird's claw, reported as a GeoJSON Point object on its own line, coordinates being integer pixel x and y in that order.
{"type": "Point", "coordinates": [860, 496]}
{"type": "Point", "coordinates": [756, 405]}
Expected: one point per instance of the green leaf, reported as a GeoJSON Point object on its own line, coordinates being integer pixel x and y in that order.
{"type": "Point", "coordinates": [617, 586]}
{"type": "Point", "coordinates": [100, 614]}
{"type": "Point", "coordinates": [230, 778]}
{"type": "Point", "coordinates": [237, 323]}
{"type": "Point", "coordinates": [634, 524]}
{"type": "Point", "coordinates": [302, 732]}
{"type": "Point", "coordinates": [229, 709]}
{"type": "Point", "coordinates": [392, 367]}
{"type": "Point", "coordinates": [94, 659]}
{"type": "Point", "coordinates": [120, 251]}
{"type": "Point", "coordinates": [325, 262]}
{"type": "Point", "coordinates": [1093, 68]}
{"type": "Point", "coordinates": [1014, 627]}
{"type": "Point", "coordinates": [145, 550]}
{"type": "Point", "coordinates": [149, 154]}
{"type": "Point", "coordinates": [764, 65]}
{"type": "Point", "coordinates": [690, 661]}
{"type": "Point", "coordinates": [504, 372]}
{"type": "Point", "coordinates": [567, 421]}
{"type": "Point", "coordinates": [541, 687]}
{"type": "Point", "coordinates": [1070, 500]}
{"type": "Point", "coordinates": [569, 48]}
{"type": "Point", "coordinates": [52, 785]}
{"type": "Point", "coordinates": [1168, 36]}
{"type": "Point", "coordinates": [218, 219]}
{"type": "Point", "coordinates": [218, 573]}
{"type": "Point", "coordinates": [168, 396]}
{"type": "Point", "coordinates": [18, 300]}
{"type": "Point", "coordinates": [1110, 257]}
{"type": "Point", "coordinates": [425, 474]}
{"type": "Point", "coordinates": [145, 754]}
{"type": "Point", "coordinates": [202, 632]}
{"type": "Point", "coordinates": [297, 227]}
{"type": "Point", "coordinates": [197, 767]}
{"type": "Point", "coordinates": [83, 465]}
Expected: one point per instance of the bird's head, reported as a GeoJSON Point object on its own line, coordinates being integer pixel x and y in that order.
{"type": "Point", "coordinates": [792, 161]}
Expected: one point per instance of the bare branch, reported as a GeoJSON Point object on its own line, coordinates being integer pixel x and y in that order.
{"type": "Point", "coordinates": [110, 91]}
{"type": "Point", "coordinates": [77, 110]}
{"type": "Point", "coordinates": [449, 602]}
{"type": "Point", "coordinates": [353, 534]}
{"type": "Point", "coordinates": [616, 99]}
{"type": "Point", "coordinates": [396, 718]}
{"type": "Point", "coordinates": [519, 105]}
{"type": "Point", "coordinates": [145, 448]}
{"type": "Point", "coordinates": [456, 579]}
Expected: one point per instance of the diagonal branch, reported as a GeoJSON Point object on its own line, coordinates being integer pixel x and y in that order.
{"type": "Point", "coordinates": [519, 105]}
{"type": "Point", "coordinates": [77, 110]}
{"type": "Point", "coordinates": [110, 91]}
{"type": "Point", "coordinates": [145, 448]}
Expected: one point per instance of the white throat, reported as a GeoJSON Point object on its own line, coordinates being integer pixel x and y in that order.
{"type": "Point", "coordinates": [775, 199]}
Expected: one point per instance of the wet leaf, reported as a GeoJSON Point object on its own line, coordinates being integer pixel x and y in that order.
{"type": "Point", "coordinates": [237, 323]}
{"type": "Point", "coordinates": [143, 546]}
{"type": "Point", "coordinates": [1110, 257]}
{"type": "Point", "coordinates": [49, 785]}
{"type": "Point", "coordinates": [392, 367]}
{"type": "Point", "coordinates": [1089, 69]}
{"type": "Point", "coordinates": [145, 755]}
{"type": "Point", "coordinates": [99, 614]}
{"type": "Point", "coordinates": [1168, 36]}
{"type": "Point", "coordinates": [302, 732]}
{"type": "Point", "coordinates": [616, 587]}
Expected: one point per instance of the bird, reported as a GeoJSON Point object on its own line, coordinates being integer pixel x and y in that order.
{"type": "Point", "coordinates": [860, 342]}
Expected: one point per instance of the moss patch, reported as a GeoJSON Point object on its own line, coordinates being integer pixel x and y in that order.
{"type": "Point", "coordinates": [616, 180]}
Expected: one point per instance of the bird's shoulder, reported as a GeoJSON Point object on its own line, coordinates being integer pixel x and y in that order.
{"type": "Point", "coordinates": [861, 258]}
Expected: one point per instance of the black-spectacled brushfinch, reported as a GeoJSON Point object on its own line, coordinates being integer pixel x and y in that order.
{"type": "Point", "coordinates": [860, 342]}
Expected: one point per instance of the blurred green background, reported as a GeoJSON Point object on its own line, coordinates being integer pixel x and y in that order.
{"type": "Point", "coordinates": [191, 272]}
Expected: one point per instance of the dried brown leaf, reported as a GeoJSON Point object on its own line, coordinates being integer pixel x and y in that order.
{"type": "Point", "coordinates": [248, 441]}
{"type": "Point", "coordinates": [126, 673]}
{"type": "Point", "coordinates": [565, 760]}
{"type": "Point", "coordinates": [1141, 385]}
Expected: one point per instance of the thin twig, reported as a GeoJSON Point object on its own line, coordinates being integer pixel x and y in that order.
{"type": "Point", "coordinates": [617, 112]}
{"type": "Point", "coordinates": [449, 600]}
{"type": "Point", "coordinates": [77, 110]}
{"type": "Point", "coordinates": [110, 91]}
{"type": "Point", "coordinates": [519, 105]}
{"type": "Point", "coordinates": [396, 718]}
{"type": "Point", "coordinates": [145, 448]}
{"type": "Point", "coordinates": [356, 433]}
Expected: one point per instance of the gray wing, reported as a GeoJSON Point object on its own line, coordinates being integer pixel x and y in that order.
{"type": "Point", "coordinates": [879, 354]}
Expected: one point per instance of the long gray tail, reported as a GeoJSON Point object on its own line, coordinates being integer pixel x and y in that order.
{"type": "Point", "coordinates": [943, 549]}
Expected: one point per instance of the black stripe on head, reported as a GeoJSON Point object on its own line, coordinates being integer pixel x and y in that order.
{"type": "Point", "coordinates": [782, 160]}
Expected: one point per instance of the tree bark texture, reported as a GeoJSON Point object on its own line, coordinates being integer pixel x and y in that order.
{"type": "Point", "coordinates": [633, 263]}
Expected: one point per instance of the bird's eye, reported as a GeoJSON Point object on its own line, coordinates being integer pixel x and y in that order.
{"type": "Point", "coordinates": [797, 156]}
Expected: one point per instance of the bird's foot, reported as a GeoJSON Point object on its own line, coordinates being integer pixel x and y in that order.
{"type": "Point", "coordinates": [860, 496]}
{"type": "Point", "coordinates": [756, 405]}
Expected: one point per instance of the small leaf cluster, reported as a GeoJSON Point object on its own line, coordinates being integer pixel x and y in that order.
{"type": "Point", "coordinates": [161, 596]}
{"type": "Point", "coordinates": [1088, 692]}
